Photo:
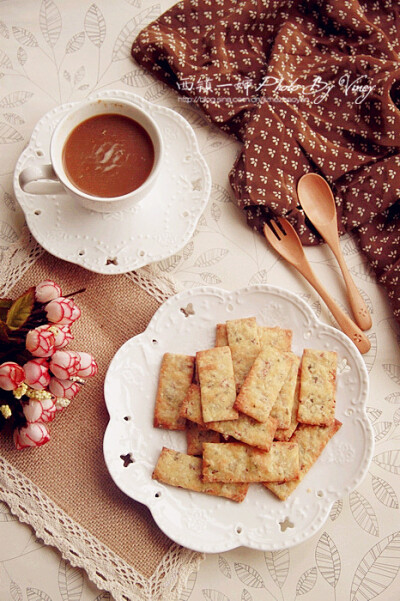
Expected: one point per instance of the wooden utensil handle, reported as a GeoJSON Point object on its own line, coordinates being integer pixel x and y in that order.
{"type": "Point", "coordinates": [346, 324]}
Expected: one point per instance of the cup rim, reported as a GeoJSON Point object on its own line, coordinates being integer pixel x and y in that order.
{"type": "Point", "coordinates": [107, 199]}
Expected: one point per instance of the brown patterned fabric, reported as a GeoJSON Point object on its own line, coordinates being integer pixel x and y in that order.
{"type": "Point", "coordinates": [306, 86]}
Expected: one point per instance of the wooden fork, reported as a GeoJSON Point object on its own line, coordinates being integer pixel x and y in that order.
{"type": "Point", "coordinates": [284, 239]}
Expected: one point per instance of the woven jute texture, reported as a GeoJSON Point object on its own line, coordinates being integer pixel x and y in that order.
{"type": "Point", "coordinates": [70, 469]}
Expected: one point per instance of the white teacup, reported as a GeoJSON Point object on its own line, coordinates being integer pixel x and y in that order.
{"type": "Point", "coordinates": [48, 174]}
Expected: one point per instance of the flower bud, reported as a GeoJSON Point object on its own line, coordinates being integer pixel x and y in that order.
{"type": "Point", "coordinates": [62, 335]}
{"type": "Point", "coordinates": [11, 375]}
{"type": "Point", "coordinates": [47, 291]}
{"type": "Point", "coordinates": [64, 364]}
{"type": "Point", "coordinates": [40, 342]}
{"type": "Point", "coordinates": [62, 311]}
{"type": "Point", "coordinates": [31, 435]}
{"type": "Point", "coordinates": [87, 365]}
{"type": "Point", "coordinates": [40, 411]}
{"type": "Point", "coordinates": [37, 374]}
{"type": "Point", "coordinates": [63, 388]}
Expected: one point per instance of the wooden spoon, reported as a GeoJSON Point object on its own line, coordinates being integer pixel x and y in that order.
{"type": "Point", "coordinates": [284, 239]}
{"type": "Point", "coordinates": [317, 200]}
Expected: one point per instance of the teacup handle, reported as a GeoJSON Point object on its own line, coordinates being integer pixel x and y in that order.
{"type": "Point", "coordinates": [40, 179]}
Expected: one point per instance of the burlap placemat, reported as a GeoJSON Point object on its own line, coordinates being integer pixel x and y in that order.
{"type": "Point", "coordinates": [70, 469]}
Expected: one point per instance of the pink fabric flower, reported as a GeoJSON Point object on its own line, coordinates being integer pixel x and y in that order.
{"type": "Point", "coordinates": [40, 411]}
{"type": "Point", "coordinates": [62, 336]}
{"type": "Point", "coordinates": [87, 365]}
{"type": "Point", "coordinates": [31, 435]}
{"type": "Point", "coordinates": [62, 311]}
{"type": "Point", "coordinates": [11, 375]}
{"type": "Point", "coordinates": [47, 291]}
{"type": "Point", "coordinates": [63, 388]}
{"type": "Point", "coordinates": [64, 364]}
{"type": "Point", "coordinates": [40, 341]}
{"type": "Point", "coordinates": [37, 374]}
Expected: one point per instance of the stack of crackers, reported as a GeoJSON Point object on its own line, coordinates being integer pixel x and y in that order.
{"type": "Point", "coordinates": [253, 411]}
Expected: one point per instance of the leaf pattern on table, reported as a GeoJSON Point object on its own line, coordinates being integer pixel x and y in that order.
{"type": "Point", "coordinates": [370, 357]}
{"type": "Point", "coordinates": [215, 211]}
{"type": "Point", "coordinates": [14, 119]}
{"type": "Point", "coordinates": [123, 43]}
{"type": "Point", "coordinates": [5, 61]}
{"type": "Point", "coordinates": [350, 247]}
{"type": "Point", "coordinates": [373, 414]}
{"type": "Point", "coordinates": [224, 567]}
{"type": "Point", "coordinates": [70, 581]}
{"type": "Point", "coordinates": [135, 79]}
{"type": "Point", "coordinates": [384, 492]}
{"type": "Point", "coordinates": [381, 429]}
{"type": "Point", "coordinates": [278, 563]}
{"type": "Point", "coordinates": [211, 257]}
{"type": "Point", "coordinates": [394, 398]}
{"type": "Point", "coordinates": [75, 43]}
{"type": "Point", "coordinates": [377, 569]}
{"type": "Point", "coordinates": [213, 595]}
{"type": "Point", "coordinates": [187, 591]}
{"type": "Point", "coordinates": [307, 581]}
{"type": "Point", "coordinates": [34, 594]}
{"type": "Point", "coordinates": [328, 559]}
{"type": "Point", "coordinates": [364, 272]}
{"type": "Point", "coordinates": [196, 120]}
{"type": "Point", "coordinates": [336, 510]}
{"type": "Point", "coordinates": [79, 75]}
{"type": "Point", "coordinates": [103, 597]}
{"type": "Point", "coordinates": [210, 278]}
{"type": "Point", "coordinates": [260, 277]}
{"type": "Point", "coordinates": [8, 134]}
{"type": "Point", "coordinates": [170, 263]}
{"type": "Point", "coordinates": [15, 99]}
{"type": "Point", "coordinates": [7, 233]}
{"type": "Point", "coordinates": [220, 194]}
{"type": "Point", "coordinates": [245, 596]}
{"type": "Point", "coordinates": [248, 575]}
{"type": "Point", "coordinates": [188, 250]}
{"type": "Point", "coordinates": [22, 56]}
{"type": "Point", "coordinates": [50, 22]}
{"type": "Point", "coordinates": [396, 417]}
{"type": "Point", "coordinates": [393, 371]}
{"type": "Point", "coordinates": [95, 25]}
{"type": "Point", "coordinates": [389, 461]}
{"type": "Point", "coordinates": [4, 30]}
{"type": "Point", "coordinates": [155, 92]}
{"type": "Point", "coordinates": [15, 592]}
{"type": "Point", "coordinates": [25, 37]}
{"type": "Point", "coordinates": [363, 513]}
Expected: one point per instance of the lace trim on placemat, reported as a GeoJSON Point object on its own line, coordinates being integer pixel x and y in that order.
{"type": "Point", "coordinates": [106, 569]}
{"type": "Point", "coordinates": [16, 260]}
{"type": "Point", "coordinates": [153, 281]}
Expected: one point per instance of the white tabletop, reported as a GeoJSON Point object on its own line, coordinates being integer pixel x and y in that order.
{"type": "Point", "coordinates": [43, 65]}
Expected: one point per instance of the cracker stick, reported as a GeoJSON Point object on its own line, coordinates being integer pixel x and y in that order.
{"type": "Point", "coordinates": [221, 336]}
{"type": "Point", "coordinates": [217, 384]}
{"type": "Point", "coordinates": [176, 375]}
{"type": "Point", "coordinates": [278, 337]}
{"type": "Point", "coordinates": [179, 469]}
{"type": "Point", "coordinates": [196, 435]}
{"type": "Point", "coordinates": [261, 387]}
{"type": "Point", "coordinates": [244, 344]}
{"type": "Point", "coordinates": [317, 387]}
{"type": "Point", "coordinates": [282, 408]}
{"type": "Point", "coordinates": [286, 433]}
{"type": "Point", "coordinates": [237, 462]}
{"type": "Point", "coordinates": [311, 441]}
{"type": "Point", "coordinates": [191, 405]}
{"type": "Point", "coordinates": [248, 430]}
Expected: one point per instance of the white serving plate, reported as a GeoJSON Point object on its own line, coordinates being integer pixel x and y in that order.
{"type": "Point", "coordinates": [186, 324]}
{"type": "Point", "coordinates": [154, 229]}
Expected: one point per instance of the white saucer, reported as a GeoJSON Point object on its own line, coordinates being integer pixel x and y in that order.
{"type": "Point", "coordinates": [156, 228]}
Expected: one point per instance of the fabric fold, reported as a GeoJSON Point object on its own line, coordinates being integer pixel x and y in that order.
{"type": "Point", "coordinates": [311, 86]}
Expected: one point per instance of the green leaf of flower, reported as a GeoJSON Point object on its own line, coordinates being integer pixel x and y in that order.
{"type": "Point", "coordinates": [21, 309]}
{"type": "Point", "coordinates": [5, 304]}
